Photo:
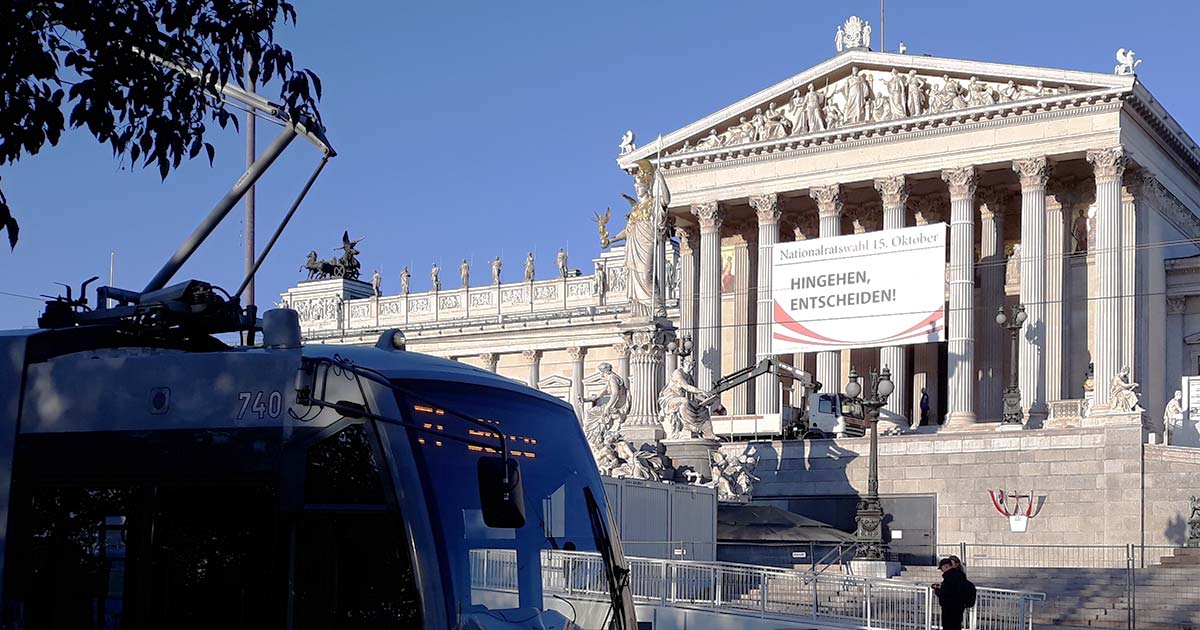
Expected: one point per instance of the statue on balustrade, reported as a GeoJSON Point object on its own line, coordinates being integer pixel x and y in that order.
{"type": "Point", "coordinates": [561, 261]}
{"type": "Point", "coordinates": [434, 274]}
{"type": "Point", "coordinates": [529, 267]}
{"type": "Point", "coordinates": [682, 409]}
{"type": "Point", "coordinates": [1122, 393]}
{"type": "Point", "coordinates": [376, 281]}
{"type": "Point", "coordinates": [405, 279]}
{"type": "Point", "coordinates": [464, 272]}
{"type": "Point", "coordinates": [496, 265]}
{"type": "Point", "coordinates": [645, 228]}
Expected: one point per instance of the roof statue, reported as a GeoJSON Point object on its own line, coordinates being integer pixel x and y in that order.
{"type": "Point", "coordinates": [1126, 64]}
{"type": "Point", "coordinates": [627, 145]}
{"type": "Point", "coordinates": [344, 266]}
{"type": "Point", "coordinates": [855, 33]}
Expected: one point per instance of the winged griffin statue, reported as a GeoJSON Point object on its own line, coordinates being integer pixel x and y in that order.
{"type": "Point", "coordinates": [1126, 64]}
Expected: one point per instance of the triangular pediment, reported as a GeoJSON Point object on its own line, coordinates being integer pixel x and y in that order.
{"type": "Point", "coordinates": [858, 89]}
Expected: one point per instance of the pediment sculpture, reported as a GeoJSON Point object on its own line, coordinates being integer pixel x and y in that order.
{"type": "Point", "coordinates": [862, 97]}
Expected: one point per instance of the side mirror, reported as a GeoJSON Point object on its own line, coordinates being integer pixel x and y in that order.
{"type": "Point", "coordinates": [501, 494]}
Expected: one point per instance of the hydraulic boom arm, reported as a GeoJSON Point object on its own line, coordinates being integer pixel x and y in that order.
{"type": "Point", "coordinates": [769, 365]}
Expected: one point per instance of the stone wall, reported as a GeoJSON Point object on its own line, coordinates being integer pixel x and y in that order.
{"type": "Point", "coordinates": [1087, 483]}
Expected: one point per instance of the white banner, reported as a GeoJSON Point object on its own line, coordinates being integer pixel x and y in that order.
{"type": "Point", "coordinates": [859, 291]}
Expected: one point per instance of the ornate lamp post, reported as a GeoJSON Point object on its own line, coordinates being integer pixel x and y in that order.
{"type": "Point", "coordinates": [1012, 394]}
{"type": "Point", "coordinates": [869, 515]}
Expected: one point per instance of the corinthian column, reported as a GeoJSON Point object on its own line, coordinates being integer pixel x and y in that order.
{"type": "Point", "coordinates": [689, 282]}
{"type": "Point", "coordinates": [534, 357]}
{"type": "Point", "coordinates": [745, 311]}
{"type": "Point", "coordinates": [645, 382]}
{"type": "Point", "coordinates": [708, 346]}
{"type": "Point", "coordinates": [1109, 166]}
{"type": "Point", "coordinates": [993, 339]}
{"type": "Point", "coordinates": [577, 356]}
{"type": "Point", "coordinates": [893, 192]}
{"type": "Point", "coordinates": [960, 409]}
{"type": "Point", "coordinates": [829, 209]}
{"type": "Point", "coordinates": [622, 350]}
{"type": "Point", "coordinates": [489, 359]}
{"type": "Point", "coordinates": [766, 207]}
{"type": "Point", "coordinates": [1033, 174]}
{"type": "Point", "coordinates": [1056, 274]}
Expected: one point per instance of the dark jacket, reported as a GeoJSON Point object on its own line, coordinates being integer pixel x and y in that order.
{"type": "Point", "coordinates": [955, 592]}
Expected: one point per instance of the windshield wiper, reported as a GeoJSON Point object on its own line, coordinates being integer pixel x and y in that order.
{"type": "Point", "coordinates": [617, 575]}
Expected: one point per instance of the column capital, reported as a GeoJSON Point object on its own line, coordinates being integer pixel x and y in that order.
{"type": "Point", "coordinates": [532, 355]}
{"type": "Point", "coordinates": [960, 181]}
{"type": "Point", "coordinates": [1108, 164]}
{"type": "Point", "coordinates": [992, 201]}
{"type": "Point", "coordinates": [929, 209]}
{"type": "Point", "coordinates": [893, 191]}
{"type": "Point", "coordinates": [489, 358]}
{"type": "Point", "coordinates": [710, 214]}
{"type": "Point", "coordinates": [828, 198]}
{"type": "Point", "coordinates": [644, 343]}
{"type": "Point", "coordinates": [621, 348]}
{"type": "Point", "coordinates": [577, 352]}
{"type": "Point", "coordinates": [689, 237]}
{"type": "Point", "coordinates": [1033, 172]}
{"type": "Point", "coordinates": [802, 226]}
{"type": "Point", "coordinates": [766, 207]}
{"type": "Point", "coordinates": [1176, 305]}
{"type": "Point", "coordinates": [865, 217]}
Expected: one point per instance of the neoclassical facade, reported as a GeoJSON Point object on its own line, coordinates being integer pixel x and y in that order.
{"type": "Point", "coordinates": [1071, 193]}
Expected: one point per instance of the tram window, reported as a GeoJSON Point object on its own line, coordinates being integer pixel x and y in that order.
{"type": "Point", "coordinates": [342, 469]}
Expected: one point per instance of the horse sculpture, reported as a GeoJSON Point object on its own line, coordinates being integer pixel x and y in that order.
{"type": "Point", "coordinates": [319, 269]}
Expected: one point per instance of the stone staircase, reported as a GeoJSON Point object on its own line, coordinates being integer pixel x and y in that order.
{"type": "Point", "coordinates": [1168, 592]}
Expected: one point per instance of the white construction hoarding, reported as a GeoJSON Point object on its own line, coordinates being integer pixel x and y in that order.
{"type": "Point", "coordinates": [858, 291]}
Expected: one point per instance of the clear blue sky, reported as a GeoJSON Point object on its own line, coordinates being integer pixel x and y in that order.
{"type": "Point", "coordinates": [476, 129]}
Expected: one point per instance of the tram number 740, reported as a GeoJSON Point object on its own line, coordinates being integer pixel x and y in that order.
{"type": "Point", "coordinates": [261, 404]}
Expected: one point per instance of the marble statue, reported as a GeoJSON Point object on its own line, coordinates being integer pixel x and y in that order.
{"type": "Point", "coordinates": [793, 113]}
{"type": "Point", "coordinates": [711, 141]}
{"type": "Point", "coordinates": [673, 277]}
{"type": "Point", "coordinates": [598, 284]}
{"type": "Point", "coordinates": [839, 39]}
{"type": "Point", "coordinates": [680, 411]}
{"type": "Point", "coordinates": [464, 272]}
{"type": "Point", "coordinates": [915, 92]}
{"type": "Point", "coordinates": [857, 92]}
{"type": "Point", "coordinates": [814, 116]}
{"type": "Point", "coordinates": [376, 281]}
{"type": "Point", "coordinates": [496, 266]}
{"type": "Point", "coordinates": [1122, 393]}
{"type": "Point", "coordinates": [434, 274]}
{"type": "Point", "coordinates": [733, 477]}
{"type": "Point", "coordinates": [561, 260]}
{"type": "Point", "coordinates": [979, 93]}
{"type": "Point", "coordinates": [405, 279]}
{"type": "Point", "coordinates": [1079, 232]}
{"type": "Point", "coordinates": [866, 35]}
{"type": "Point", "coordinates": [774, 124]}
{"type": "Point", "coordinates": [1125, 62]}
{"type": "Point", "coordinates": [758, 125]}
{"type": "Point", "coordinates": [1010, 92]}
{"type": "Point", "coordinates": [897, 99]}
{"type": "Point", "coordinates": [627, 145]}
{"type": "Point", "coordinates": [1173, 416]}
{"type": "Point", "coordinates": [529, 267]}
{"type": "Point", "coordinates": [616, 457]}
{"type": "Point", "coordinates": [610, 407]}
{"type": "Point", "coordinates": [833, 116]}
{"type": "Point", "coordinates": [646, 220]}
{"type": "Point", "coordinates": [855, 33]}
{"type": "Point", "coordinates": [1012, 273]}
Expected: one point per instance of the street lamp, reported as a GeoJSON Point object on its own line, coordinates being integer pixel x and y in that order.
{"type": "Point", "coordinates": [869, 515]}
{"type": "Point", "coordinates": [1012, 394]}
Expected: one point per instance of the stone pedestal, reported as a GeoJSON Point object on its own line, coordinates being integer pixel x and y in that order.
{"type": "Point", "coordinates": [1010, 427]}
{"type": "Point", "coordinates": [875, 568]}
{"type": "Point", "coordinates": [645, 382]}
{"type": "Point", "coordinates": [692, 454]}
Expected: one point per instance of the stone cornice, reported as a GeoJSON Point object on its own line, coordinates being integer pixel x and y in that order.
{"type": "Point", "coordinates": [1048, 108]}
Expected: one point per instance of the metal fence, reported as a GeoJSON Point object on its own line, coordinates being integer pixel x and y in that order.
{"type": "Point", "coordinates": [1055, 556]}
{"type": "Point", "coordinates": [753, 590]}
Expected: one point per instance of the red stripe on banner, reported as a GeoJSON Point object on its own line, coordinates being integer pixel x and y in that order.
{"type": "Point", "coordinates": [783, 319]}
{"type": "Point", "coordinates": [811, 338]}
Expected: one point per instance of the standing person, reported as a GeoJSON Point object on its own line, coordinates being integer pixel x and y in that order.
{"type": "Point", "coordinates": [955, 594]}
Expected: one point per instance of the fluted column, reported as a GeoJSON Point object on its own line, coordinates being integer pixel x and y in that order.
{"type": "Point", "coordinates": [622, 350]}
{"type": "Point", "coordinates": [1108, 166]}
{"type": "Point", "coordinates": [993, 340]}
{"type": "Point", "coordinates": [708, 346]}
{"type": "Point", "coordinates": [490, 360]}
{"type": "Point", "coordinates": [893, 192]}
{"type": "Point", "coordinates": [1033, 174]}
{"type": "Point", "coordinates": [1176, 307]}
{"type": "Point", "coordinates": [689, 282]}
{"type": "Point", "coordinates": [829, 209]}
{"type": "Point", "coordinates": [745, 312]}
{"type": "Point", "coordinates": [577, 354]}
{"type": "Point", "coordinates": [645, 382]}
{"type": "Point", "coordinates": [960, 409]}
{"type": "Point", "coordinates": [534, 358]}
{"type": "Point", "coordinates": [1057, 214]}
{"type": "Point", "coordinates": [766, 208]}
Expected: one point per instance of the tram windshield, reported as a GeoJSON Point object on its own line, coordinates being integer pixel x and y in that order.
{"type": "Point", "coordinates": [492, 571]}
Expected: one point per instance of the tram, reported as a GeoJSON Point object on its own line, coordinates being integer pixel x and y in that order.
{"type": "Point", "coordinates": [154, 474]}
